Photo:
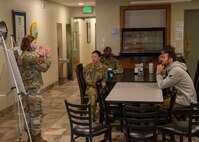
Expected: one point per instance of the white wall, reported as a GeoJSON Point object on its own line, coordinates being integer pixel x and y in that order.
{"type": "Point", "coordinates": [86, 48]}
{"type": "Point", "coordinates": [47, 20]}
{"type": "Point", "coordinates": [108, 16]}
{"type": "Point", "coordinates": [177, 16]}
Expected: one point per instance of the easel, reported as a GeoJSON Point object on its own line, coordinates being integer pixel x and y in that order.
{"type": "Point", "coordinates": [14, 73]}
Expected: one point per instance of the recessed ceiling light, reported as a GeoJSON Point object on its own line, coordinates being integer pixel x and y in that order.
{"type": "Point", "coordinates": [80, 3]}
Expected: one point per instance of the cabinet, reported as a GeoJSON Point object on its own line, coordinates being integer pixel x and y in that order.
{"type": "Point", "coordinates": [143, 40]}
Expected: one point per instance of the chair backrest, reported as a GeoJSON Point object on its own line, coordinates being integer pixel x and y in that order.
{"type": "Point", "coordinates": [193, 116]}
{"type": "Point", "coordinates": [79, 114]}
{"type": "Point", "coordinates": [101, 94]}
{"type": "Point", "coordinates": [108, 112]}
{"type": "Point", "coordinates": [172, 103]}
{"type": "Point", "coordinates": [101, 98]}
{"type": "Point", "coordinates": [81, 83]}
{"type": "Point", "coordinates": [196, 81]}
{"type": "Point", "coordinates": [141, 117]}
{"type": "Point", "coordinates": [196, 75]}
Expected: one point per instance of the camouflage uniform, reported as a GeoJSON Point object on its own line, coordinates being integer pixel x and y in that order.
{"type": "Point", "coordinates": [31, 67]}
{"type": "Point", "coordinates": [114, 64]}
{"type": "Point", "coordinates": [92, 74]}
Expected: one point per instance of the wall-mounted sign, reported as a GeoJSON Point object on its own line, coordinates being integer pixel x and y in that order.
{"type": "Point", "coordinates": [34, 30]}
{"type": "Point", "coordinates": [87, 9]}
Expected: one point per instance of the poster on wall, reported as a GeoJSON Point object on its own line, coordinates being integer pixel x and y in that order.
{"type": "Point", "coordinates": [179, 30]}
{"type": "Point", "coordinates": [19, 25]}
{"type": "Point", "coordinates": [116, 31]}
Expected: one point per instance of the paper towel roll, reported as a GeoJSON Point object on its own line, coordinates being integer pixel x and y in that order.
{"type": "Point", "coordinates": [151, 68]}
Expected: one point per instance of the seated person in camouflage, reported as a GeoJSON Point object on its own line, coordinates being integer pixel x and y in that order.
{"type": "Point", "coordinates": [110, 62]}
{"type": "Point", "coordinates": [92, 73]}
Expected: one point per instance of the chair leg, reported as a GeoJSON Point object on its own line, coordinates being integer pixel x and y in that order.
{"type": "Point", "coordinates": [101, 116]}
{"type": "Point", "coordinates": [189, 139]}
{"type": "Point", "coordinates": [181, 138]}
{"type": "Point", "coordinates": [155, 138]}
{"type": "Point", "coordinates": [172, 137]}
{"type": "Point", "coordinates": [122, 125]}
{"type": "Point", "coordinates": [107, 136]}
{"type": "Point", "coordinates": [71, 138]}
{"type": "Point", "coordinates": [110, 136]}
{"type": "Point", "coordinates": [163, 136]}
{"type": "Point", "coordinates": [128, 138]}
{"type": "Point", "coordinates": [91, 139]}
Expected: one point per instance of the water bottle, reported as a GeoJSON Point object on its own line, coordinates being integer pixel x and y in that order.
{"type": "Point", "coordinates": [110, 74]}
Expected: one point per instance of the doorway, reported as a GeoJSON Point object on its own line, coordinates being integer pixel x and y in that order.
{"type": "Point", "coordinates": [87, 39]}
{"type": "Point", "coordinates": [191, 44]}
{"type": "Point", "coordinates": [61, 60]}
{"type": "Point", "coordinates": [80, 46]}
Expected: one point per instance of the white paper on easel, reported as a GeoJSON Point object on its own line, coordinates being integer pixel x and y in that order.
{"type": "Point", "coordinates": [14, 74]}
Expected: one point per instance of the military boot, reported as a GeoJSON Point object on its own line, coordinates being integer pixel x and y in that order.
{"type": "Point", "coordinates": [37, 138]}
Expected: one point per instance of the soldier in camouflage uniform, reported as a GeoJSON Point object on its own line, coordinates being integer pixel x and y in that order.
{"type": "Point", "coordinates": [92, 73]}
{"type": "Point", "coordinates": [110, 62]}
{"type": "Point", "coordinates": [31, 67]}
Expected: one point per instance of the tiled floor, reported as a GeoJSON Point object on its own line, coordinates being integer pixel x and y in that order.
{"type": "Point", "coordinates": [55, 123]}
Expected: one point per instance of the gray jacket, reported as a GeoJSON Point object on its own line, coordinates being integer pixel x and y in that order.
{"type": "Point", "coordinates": [178, 77]}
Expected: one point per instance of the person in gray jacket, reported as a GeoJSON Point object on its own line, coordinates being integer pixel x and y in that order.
{"type": "Point", "coordinates": [177, 77]}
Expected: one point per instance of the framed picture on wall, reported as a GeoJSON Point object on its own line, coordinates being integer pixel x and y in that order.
{"type": "Point", "coordinates": [19, 25]}
{"type": "Point", "coordinates": [88, 28]}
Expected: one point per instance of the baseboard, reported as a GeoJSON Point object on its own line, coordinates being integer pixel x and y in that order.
{"type": "Point", "coordinates": [11, 108]}
{"type": "Point", "coordinates": [49, 87]}
{"type": "Point", "coordinates": [6, 111]}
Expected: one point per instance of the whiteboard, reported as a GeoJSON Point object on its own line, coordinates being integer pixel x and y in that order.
{"type": "Point", "coordinates": [13, 70]}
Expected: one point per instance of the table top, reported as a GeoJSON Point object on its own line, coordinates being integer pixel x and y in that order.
{"type": "Point", "coordinates": [124, 92]}
{"type": "Point", "coordinates": [129, 76]}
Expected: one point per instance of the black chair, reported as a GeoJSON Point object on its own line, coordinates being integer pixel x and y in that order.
{"type": "Point", "coordinates": [141, 122]}
{"type": "Point", "coordinates": [196, 75]}
{"type": "Point", "coordinates": [82, 84]}
{"type": "Point", "coordinates": [165, 116]}
{"type": "Point", "coordinates": [196, 81]}
{"type": "Point", "coordinates": [111, 113]}
{"type": "Point", "coordinates": [101, 97]}
{"type": "Point", "coordinates": [188, 128]}
{"type": "Point", "coordinates": [81, 123]}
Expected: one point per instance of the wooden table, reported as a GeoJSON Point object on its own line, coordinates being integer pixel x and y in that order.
{"type": "Point", "coordinates": [124, 92]}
